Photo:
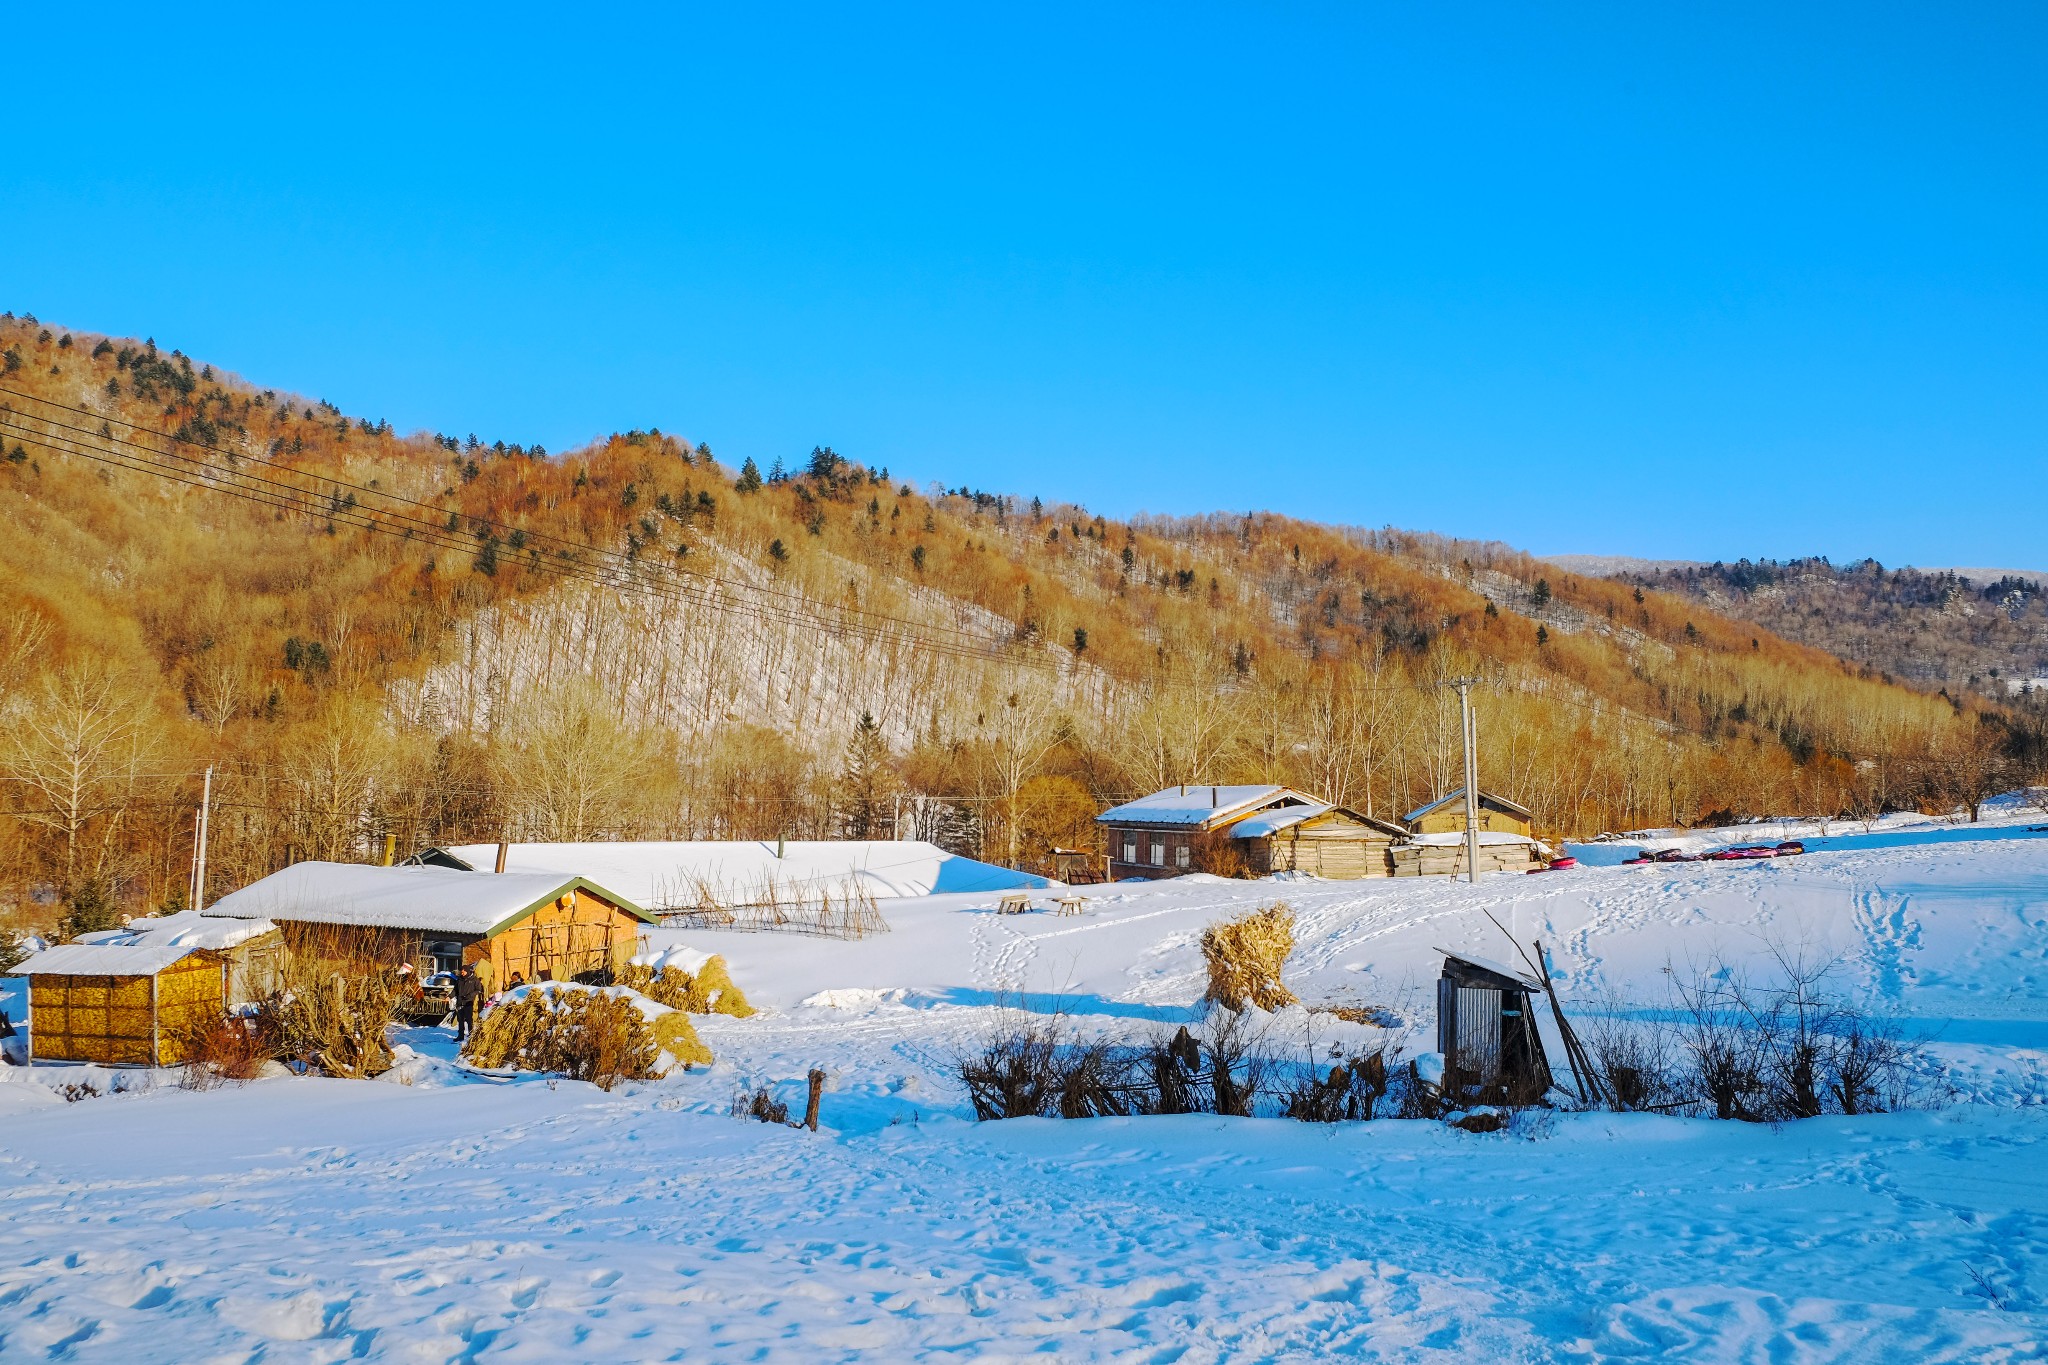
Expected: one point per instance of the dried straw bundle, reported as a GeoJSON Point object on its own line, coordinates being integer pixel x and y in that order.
{"type": "Point", "coordinates": [710, 990]}
{"type": "Point", "coordinates": [1245, 956]}
{"type": "Point", "coordinates": [584, 1033]}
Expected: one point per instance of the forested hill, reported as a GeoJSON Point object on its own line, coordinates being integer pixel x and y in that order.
{"type": "Point", "coordinates": [446, 636]}
{"type": "Point", "coordinates": [1936, 628]}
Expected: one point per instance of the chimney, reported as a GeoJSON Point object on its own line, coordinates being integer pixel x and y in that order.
{"type": "Point", "coordinates": [1183, 789]}
{"type": "Point", "coordinates": [504, 847]}
{"type": "Point", "coordinates": [1212, 798]}
{"type": "Point", "coordinates": [390, 848]}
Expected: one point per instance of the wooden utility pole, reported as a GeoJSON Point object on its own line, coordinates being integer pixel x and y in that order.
{"type": "Point", "coordinates": [817, 1080]}
{"type": "Point", "coordinates": [1470, 731]}
{"type": "Point", "coordinates": [199, 832]}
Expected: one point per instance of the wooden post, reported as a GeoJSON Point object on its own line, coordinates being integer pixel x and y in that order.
{"type": "Point", "coordinates": [811, 1105]}
{"type": "Point", "coordinates": [390, 848]}
{"type": "Point", "coordinates": [504, 847]}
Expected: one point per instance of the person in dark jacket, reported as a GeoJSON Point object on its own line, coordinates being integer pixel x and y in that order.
{"type": "Point", "coordinates": [468, 990]}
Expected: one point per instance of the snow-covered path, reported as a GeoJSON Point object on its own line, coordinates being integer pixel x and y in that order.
{"type": "Point", "coordinates": [307, 1220]}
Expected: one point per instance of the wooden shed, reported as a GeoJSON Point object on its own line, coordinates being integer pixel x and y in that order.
{"type": "Point", "coordinates": [1486, 1031]}
{"type": "Point", "coordinates": [1158, 835]}
{"type": "Point", "coordinates": [544, 926]}
{"type": "Point", "coordinates": [1323, 841]}
{"type": "Point", "coordinates": [1446, 815]}
{"type": "Point", "coordinates": [127, 997]}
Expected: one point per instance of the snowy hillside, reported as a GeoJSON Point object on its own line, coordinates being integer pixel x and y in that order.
{"type": "Point", "coordinates": [458, 1216]}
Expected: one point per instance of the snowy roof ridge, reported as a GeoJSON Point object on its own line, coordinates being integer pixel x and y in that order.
{"type": "Point", "coordinates": [675, 874]}
{"type": "Point", "coordinates": [1202, 804]}
{"type": "Point", "coordinates": [1457, 793]}
{"type": "Point", "coordinates": [143, 947]}
{"type": "Point", "coordinates": [429, 899]}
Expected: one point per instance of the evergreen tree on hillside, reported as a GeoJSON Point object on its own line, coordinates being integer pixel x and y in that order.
{"type": "Point", "coordinates": [864, 781]}
{"type": "Point", "coordinates": [750, 477]}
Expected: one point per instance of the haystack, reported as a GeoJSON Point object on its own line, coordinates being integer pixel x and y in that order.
{"type": "Point", "coordinates": [1245, 956]}
{"type": "Point", "coordinates": [600, 1034]}
{"type": "Point", "coordinates": [688, 981]}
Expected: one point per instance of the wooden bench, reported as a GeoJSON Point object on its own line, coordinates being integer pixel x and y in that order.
{"type": "Point", "coordinates": [1070, 905]}
{"type": "Point", "coordinates": [1014, 903]}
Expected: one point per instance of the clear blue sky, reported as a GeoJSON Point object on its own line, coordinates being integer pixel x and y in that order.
{"type": "Point", "coordinates": [1695, 281]}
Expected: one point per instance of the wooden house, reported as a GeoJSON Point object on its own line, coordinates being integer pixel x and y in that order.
{"type": "Point", "coordinates": [1486, 1031]}
{"type": "Point", "coordinates": [1322, 841]}
{"type": "Point", "coordinates": [543, 926]}
{"type": "Point", "coordinates": [1446, 815]}
{"type": "Point", "coordinates": [1158, 835]}
{"type": "Point", "coordinates": [127, 997]}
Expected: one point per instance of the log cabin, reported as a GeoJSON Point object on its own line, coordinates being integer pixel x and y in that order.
{"type": "Point", "coordinates": [544, 926]}
{"type": "Point", "coordinates": [1446, 815]}
{"type": "Point", "coordinates": [1323, 841]}
{"type": "Point", "coordinates": [1158, 835]}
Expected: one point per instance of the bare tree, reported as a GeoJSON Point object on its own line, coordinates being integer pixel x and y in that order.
{"type": "Point", "coordinates": [574, 768]}
{"type": "Point", "coordinates": [77, 746]}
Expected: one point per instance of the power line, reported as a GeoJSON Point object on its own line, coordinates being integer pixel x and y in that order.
{"type": "Point", "coordinates": [783, 607]}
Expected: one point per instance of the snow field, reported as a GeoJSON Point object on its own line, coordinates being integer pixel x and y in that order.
{"type": "Point", "coordinates": [455, 1217]}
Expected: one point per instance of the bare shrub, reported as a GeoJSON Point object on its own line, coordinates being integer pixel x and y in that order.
{"type": "Point", "coordinates": [336, 1000]}
{"type": "Point", "coordinates": [1786, 1049]}
{"type": "Point", "coordinates": [582, 1034]}
{"type": "Point", "coordinates": [1218, 854]}
{"type": "Point", "coordinates": [1633, 1063]}
{"type": "Point", "coordinates": [1350, 1092]}
{"type": "Point", "coordinates": [1036, 1067]}
{"type": "Point", "coordinates": [760, 1106]}
{"type": "Point", "coordinates": [228, 1048]}
{"type": "Point", "coordinates": [1245, 957]}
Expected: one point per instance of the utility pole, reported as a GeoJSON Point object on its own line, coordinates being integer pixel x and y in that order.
{"type": "Point", "coordinates": [199, 840]}
{"type": "Point", "coordinates": [1470, 731]}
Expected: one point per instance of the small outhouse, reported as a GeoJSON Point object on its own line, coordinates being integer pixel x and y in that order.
{"type": "Point", "coordinates": [1486, 1031]}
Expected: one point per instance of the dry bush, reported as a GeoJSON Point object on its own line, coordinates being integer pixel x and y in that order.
{"type": "Point", "coordinates": [1036, 1068]}
{"type": "Point", "coordinates": [1634, 1063]}
{"type": "Point", "coordinates": [584, 1034]}
{"type": "Point", "coordinates": [760, 1105]}
{"type": "Point", "coordinates": [708, 990]}
{"type": "Point", "coordinates": [1218, 854]}
{"type": "Point", "coordinates": [1245, 956]}
{"type": "Point", "coordinates": [1351, 1091]}
{"type": "Point", "coordinates": [228, 1048]}
{"type": "Point", "coordinates": [337, 998]}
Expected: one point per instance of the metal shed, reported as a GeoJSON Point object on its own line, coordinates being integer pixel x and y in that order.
{"type": "Point", "coordinates": [1486, 1031]}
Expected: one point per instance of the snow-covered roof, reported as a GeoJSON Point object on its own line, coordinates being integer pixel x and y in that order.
{"type": "Point", "coordinates": [664, 876]}
{"type": "Point", "coordinates": [143, 947]}
{"type": "Point", "coordinates": [429, 899]}
{"type": "Point", "coordinates": [1498, 969]}
{"type": "Point", "coordinates": [1272, 821]}
{"type": "Point", "coordinates": [101, 959]}
{"type": "Point", "coordinates": [1201, 806]}
{"type": "Point", "coordinates": [1458, 794]}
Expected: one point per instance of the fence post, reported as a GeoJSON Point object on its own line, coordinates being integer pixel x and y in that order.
{"type": "Point", "coordinates": [811, 1106]}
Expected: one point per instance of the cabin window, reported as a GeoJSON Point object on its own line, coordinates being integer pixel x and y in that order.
{"type": "Point", "coordinates": [1180, 855]}
{"type": "Point", "coordinates": [443, 955]}
{"type": "Point", "coordinates": [1130, 848]}
{"type": "Point", "coordinates": [1158, 854]}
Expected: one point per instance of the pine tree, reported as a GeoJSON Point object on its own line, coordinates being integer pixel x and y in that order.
{"type": "Point", "coordinates": [864, 781]}
{"type": "Point", "coordinates": [1541, 597]}
{"type": "Point", "coordinates": [750, 477]}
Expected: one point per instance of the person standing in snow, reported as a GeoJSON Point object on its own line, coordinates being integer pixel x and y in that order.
{"type": "Point", "coordinates": [467, 990]}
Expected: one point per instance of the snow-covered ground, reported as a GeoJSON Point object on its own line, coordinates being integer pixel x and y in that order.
{"type": "Point", "coordinates": [462, 1218]}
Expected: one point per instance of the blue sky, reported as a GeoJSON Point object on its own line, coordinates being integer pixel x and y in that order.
{"type": "Point", "coordinates": [1657, 280]}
